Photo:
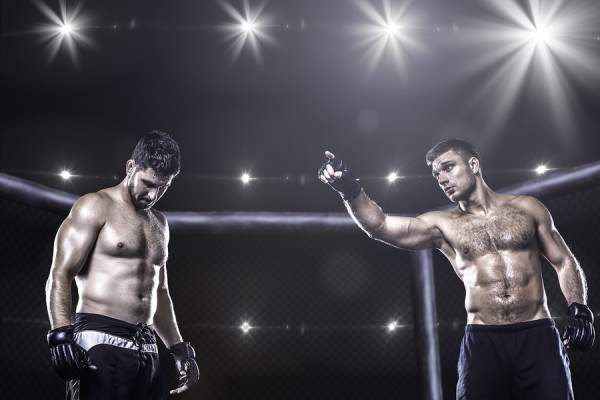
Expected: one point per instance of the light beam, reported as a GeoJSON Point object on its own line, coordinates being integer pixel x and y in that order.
{"type": "Point", "coordinates": [543, 49]}
{"type": "Point", "coordinates": [249, 29]}
{"type": "Point", "coordinates": [64, 29]}
{"type": "Point", "coordinates": [389, 32]}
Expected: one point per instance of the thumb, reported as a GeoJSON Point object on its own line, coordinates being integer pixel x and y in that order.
{"type": "Point", "coordinates": [329, 154]}
{"type": "Point", "coordinates": [182, 373]}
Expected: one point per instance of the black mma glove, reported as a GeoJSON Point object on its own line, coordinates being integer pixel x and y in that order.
{"type": "Point", "coordinates": [579, 330]}
{"type": "Point", "coordinates": [184, 354]}
{"type": "Point", "coordinates": [70, 360]}
{"type": "Point", "coordinates": [347, 185]}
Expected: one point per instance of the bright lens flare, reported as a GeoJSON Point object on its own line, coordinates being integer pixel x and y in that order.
{"type": "Point", "coordinates": [387, 34]}
{"type": "Point", "coordinates": [245, 178]}
{"type": "Point", "coordinates": [248, 30]}
{"type": "Point", "coordinates": [63, 29]}
{"type": "Point", "coordinates": [66, 175]}
{"type": "Point", "coordinates": [539, 48]}
{"type": "Point", "coordinates": [66, 29]}
{"type": "Point", "coordinates": [542, 169]}
{"type": "Point", "coordinates": [245, 327]}
{"type": "Point", "coordinates": [392, 177]}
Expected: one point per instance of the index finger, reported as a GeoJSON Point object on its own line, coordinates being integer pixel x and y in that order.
{"type": "Point", "coordinates": [329, 154]}
{"type": "Point", "coordinates": [179, 390]}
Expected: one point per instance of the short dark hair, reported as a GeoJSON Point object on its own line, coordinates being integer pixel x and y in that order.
{"type": "Point", "coordinates": [159, 151]}
{"type": "Point", "coordinates": [463, 147]}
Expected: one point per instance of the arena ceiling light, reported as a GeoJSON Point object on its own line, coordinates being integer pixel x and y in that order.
{"type": "Point", "coordinates": [542, 169]}
{"type": "Point", "coordinates": [64, 28]}
{"type": "Point", "coordinates": [66, 175]}
{"type": "Point", "coordinates": [248, 30]}
{"type": "Point", "coordinates": [388, 32]}
{"type": "Point", "coordinates": [392, 326]}
{"type": "Point", "coordinates": [245, 327]}
{"type": "Point", "coordinates": [392, 177]}
{"type": "Point", "coordinates": [246, 178]}
{"type": "Point", "coordinates": [538, 48]}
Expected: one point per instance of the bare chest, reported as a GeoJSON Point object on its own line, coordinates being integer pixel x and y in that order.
{"type": "Point", "coordinates": [135, 237]}
{"type": "Point", "coordinates": [474, 236]}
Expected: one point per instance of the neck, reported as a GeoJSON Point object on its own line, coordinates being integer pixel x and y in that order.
{"type": "Point", "coordinates": [480, 201]}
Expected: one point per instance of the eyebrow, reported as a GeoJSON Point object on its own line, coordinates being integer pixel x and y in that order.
{"type": "Point", "coordinates": [150, 183]}
{"type": "Point", "coordinates": [441, 166]}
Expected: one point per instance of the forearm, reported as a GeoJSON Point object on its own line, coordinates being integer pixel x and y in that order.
{"type": "Point", "coordinates": [366, 213]}
{"type": "Point", "coordinates": [165, 322]}
{"type": "Point", "coordinates": [572, 282]}
{"type": "Point", "coordinates": [58, 301]}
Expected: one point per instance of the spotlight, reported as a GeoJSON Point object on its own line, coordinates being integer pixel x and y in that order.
{"type": "Point", "coordinates": [247, 30]}
{"type": "Point", "coordinates": [392, 326]}
{"type": "Point", "coordinates": [66, 175]}
{"type": "Point", "coordinates": [247, 27]}
{"type": "Point", "coordinates": [63, 29]}
{"type": "Point", "coordinates": [539, 35]}
{"type": "Point", "coordinates": [245, 178]}
{"type": "Point", "coordinates": [245, 327]}
{"type": "Point", "coordinates": [537, 46]}
{"type": "Point", "coordinates": [388, 31]}
{"type": "Point", "coordinates": [392, 177]}
{"type": "Point", "coordinates": [542, 169]}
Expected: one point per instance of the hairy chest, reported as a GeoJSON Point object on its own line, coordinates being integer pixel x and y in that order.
{"type": "Point", "coordinates": [474, 236]}
{"type": "Point", "coordinates": [132, 236]}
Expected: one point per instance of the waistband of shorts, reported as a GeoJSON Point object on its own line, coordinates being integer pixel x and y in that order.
{"type": "Point", "coordinates": [97, 322]}
{"type": "Point", "coordinates": [538, 323]}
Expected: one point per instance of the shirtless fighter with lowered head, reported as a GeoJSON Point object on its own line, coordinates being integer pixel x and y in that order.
{"type": "Point", "coordinates": [115, 247]}
{"type": "Point", "coordinates": [511, 348]}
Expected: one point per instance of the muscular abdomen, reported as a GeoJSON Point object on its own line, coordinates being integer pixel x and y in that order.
{"type": "Point", "coordinates": [505, 287]}
{"type": "Point", "coordinates": [122, 290]}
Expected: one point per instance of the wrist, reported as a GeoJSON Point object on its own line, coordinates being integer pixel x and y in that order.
{"type": "Point", "coordinates": [61, 335]}
{"type": "Point", "coordinates": [182, 349]}
{"type": "Point", "coordinates": [580, 311]}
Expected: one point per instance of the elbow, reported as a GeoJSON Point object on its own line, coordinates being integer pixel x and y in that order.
{"type": "Point", "coordinates": [376, 232]}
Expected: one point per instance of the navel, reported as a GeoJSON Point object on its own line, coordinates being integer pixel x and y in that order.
{"type": "Point", "coordinates": [120, 245]}
{"type": "Point", "coordinates": [466, 250]}
{"type": "Point", "coordinates": [525, 237]}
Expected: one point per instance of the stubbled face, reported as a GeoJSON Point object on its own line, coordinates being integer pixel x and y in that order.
{"type": "Point", "coordinates": [145, 188]}
{"type": "Point", "coordinates": [455, 177]}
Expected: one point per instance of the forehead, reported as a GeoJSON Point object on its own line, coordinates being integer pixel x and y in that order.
{"type": "Point", "coordinates": [149, 175]}
{"type": "Point", "coordinates": [450, 156]}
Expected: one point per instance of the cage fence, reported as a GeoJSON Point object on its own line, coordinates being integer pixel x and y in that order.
{"type": "Point", "coordinates": [328, 314]}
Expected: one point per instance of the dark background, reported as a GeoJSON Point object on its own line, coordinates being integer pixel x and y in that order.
{"type": "Point", "coordinates": [168, 65]}
{"type": "Point", "coordinates": [320, 302]}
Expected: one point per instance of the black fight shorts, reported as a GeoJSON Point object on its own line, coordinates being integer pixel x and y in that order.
{"type": "Point", "coordinates": [126, 356]}
{"type": "Point", "coordinates": [518, 361]}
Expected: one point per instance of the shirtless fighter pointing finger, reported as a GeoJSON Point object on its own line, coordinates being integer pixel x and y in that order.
{"type": "Point", "coordinates": [511, 348]}
{"type": "Point", "coordinates": [114, 245]}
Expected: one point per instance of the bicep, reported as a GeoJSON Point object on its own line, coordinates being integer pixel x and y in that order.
{"type": "Point", "coordinates": [411, 233]}
{"type": "Point", "coordinates": [74, 240]}
{"type": "Point", "coordinates": [552, 244]}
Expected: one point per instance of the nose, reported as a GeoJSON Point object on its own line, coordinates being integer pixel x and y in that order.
{"type": "Point", "coordinates": [152, 193]}
{"type": "Point", "coordinates": [442, 179]}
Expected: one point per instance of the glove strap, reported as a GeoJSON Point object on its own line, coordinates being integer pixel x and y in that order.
{"type": "Point", "coordinates": [61, 335]}
{"type": "Point", "coordinates": [580, 311]}
{"type": "Point", "coordinates": [183, 350]}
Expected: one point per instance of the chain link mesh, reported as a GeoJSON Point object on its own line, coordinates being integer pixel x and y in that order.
{"type": "Point", "coordinates": [317, 305]}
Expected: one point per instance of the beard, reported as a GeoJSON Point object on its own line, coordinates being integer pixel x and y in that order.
{"type": "Point", "coordinates": [137, 203]}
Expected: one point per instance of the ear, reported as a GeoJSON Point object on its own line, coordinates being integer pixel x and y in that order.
{"type": "Point", "coordinates": [474, 165]}
{"type": "Point", "coordinates": [129, 167]}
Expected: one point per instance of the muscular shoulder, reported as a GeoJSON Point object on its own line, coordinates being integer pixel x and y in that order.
{"type": "Point", "coordinates": [160, 218]}
{"type": "Point", "coordinates": [439, 221]}
{"type": "Point", "coordinates": [527, 204]}
{"type": "Point", "coordinates": [91, 208]}
{"type": "Point", "coordinates": [440, 218]}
